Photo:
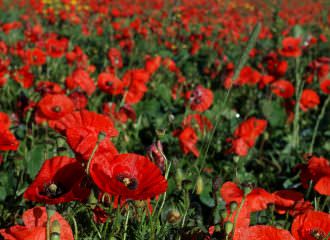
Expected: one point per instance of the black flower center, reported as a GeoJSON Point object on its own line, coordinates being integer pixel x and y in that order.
{"type": "Point", "coordinates": [129, 182]}
{"type": "Point", "coordinates": [56, 109]}
{"type": "Point", "coordinates": [53, 190]}
{"type": "Point", "coordinates": [317, 234]}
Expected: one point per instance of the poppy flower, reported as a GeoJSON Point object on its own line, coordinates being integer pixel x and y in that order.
{"type": "Point", "coordinates": [256, 200]}
{"type": "Point", "coordinates": [201, 122]}
{"type": "Point", "coordinates": [35, 220]}
{"type": "Point", "coordinates": [53, 107]}
{"type": "Point", "coordinates": [129, 176]}
{"type": "Point", "coordinates": [135, 82]}
{"type": "Point", "coordinates": [56, 48]}
{"type": "Point", "coordinates": [35, 57]}
{"type": "Point", "coordinates": [263, 232]}
{"type": "Point", "coordinates": [115, 58]}
{"type": "Point", "coordinates": [309, 99]}
{"type": "Point", "coordinates": [200, 99]}
{"type": "Point", "coordinates": [317, 170]}
{"type": "Point", "coordinates": [87, 119]}
{"type": "Point", "coordinates": [325, 86]}
{"type": "Point", "coordinates": [122, 115]}
{"type": "Point", "coordinates": [79, 100]}
{"type": "Point", "coordinates": [187, 139]}
{"type": "Point", "coordinates": [283, 88]}
{"type": "Point", "coordinates": [8, 141]}
{"type": "Point", "coordinates": [152, 64]}
{"type": "Point", "coordinates": [311, 225]}
{"type": "Point", "coordinates": [23, 76]}
{"type": "Point", "coordinates": [60, 179]}
{"type": "Point", "coordinates": [83, 140]}
{"type": "Point", "coordinates": [291, 47]}
{"type": "Point", "coordinates": [286, 199]}
{"type": "Point", "coordinates": [110, 84]}
{"type": "Point", "coordinates": [248, 76]}
{"type": "Point", "coordinates": [46, 87]}
{"type": "Point", "coordinates": [4, 121]}
{"type": "Point", "coordinates": [80, 79]}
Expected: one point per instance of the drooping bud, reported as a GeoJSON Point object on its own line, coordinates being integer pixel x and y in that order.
{"type": "Point", "coordinates": [156, 154]}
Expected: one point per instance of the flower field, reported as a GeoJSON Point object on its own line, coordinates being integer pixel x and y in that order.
{"type": "Point", "coordinates": [165, 119]}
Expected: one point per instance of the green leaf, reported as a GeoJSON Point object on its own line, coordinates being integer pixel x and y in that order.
{"type": "Point", "coordinates": [35, 159]}
{"type": "Point", "coordinates": [273, 112]}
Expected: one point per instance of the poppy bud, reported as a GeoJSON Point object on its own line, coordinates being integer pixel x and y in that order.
{"type": "Point", "coordinates": [171, 117]}
{"type": "Point", "coordinates": [155, 153]}
{"type": "Point", "coordinates": [179, 178]}
{"type": "Point", "coordinates": [173, 216]}
{"type": "Point", "coordinates": [199, 185]}
{"type": "Point", "coordinates": [223, 214]}
{"type": "Point", "coordinates": [233, 206]}
{"type": "Point", "coordinates": [55, 230]}
{"type": "Point", "coordinates": [228, 227]}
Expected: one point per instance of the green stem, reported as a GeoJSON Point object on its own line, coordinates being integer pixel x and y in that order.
{"type": "Point", "coordinates": [237, 213]}
{"type": "Point", "coordinates": [126, 224]}
{"type": "Point", "coordinates": [91, 157]}
{"type": "Point", "coordinates": [316, 128]}
{"type": "Point", "coordinates": [299, 87]}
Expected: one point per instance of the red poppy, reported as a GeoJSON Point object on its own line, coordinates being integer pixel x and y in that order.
{"type": "Point", "coordinates": [110, 84]}
{"type": "Point", "coordinates": [4, 121]}
{"type": "Point", "coordinates": [56, 48]}
{"type": "Point", "coordinates": [8, 141]}
{"type": "Point", "coordinates": [87, 119]}
{"type": "Point", "coordinates": [286, 199]}
{"type": "Point", "coordinates": [283, 88]}
{"type": "Point", "coordinates": [60, 179]}
{"type": "Point", "coordinates": [46, 87]}
{"type": "Point", "coordinates": [35, 57]}
{"type": "Point", "coordinates": [135, 82]}
{"type": "Point", "coordinates": [187, 139]}
{"type": "Point", "coordinates": [115, 58]}
{"type": "Point", "coordinates": [263, 232]}
{"type": "Point", "coordinates": [301, 207]}
{"type": "Point", "coordinates": [80, 79]}
{"type": "Point", "coordinates": [83, 140]}
{"type": "Point", "coordinates": [200, 99]}
{"type": "Point", "coordinates": [318, 170]}
{"type": "Point", "coordinates": [309, 99]}
{"type": "Point", "coordinates": [202, 122]}
{"type": "Point", "coordinates": [53, 107]}
{"type": "Point", "coordinates": [325, 86]}
{"type": "Point", "coordinates": [24, 77]}
{"type": "Point", "coordinates": [35, 220]}
{"type": "Point", "coordinates": [129, 176]}
{"type": "Point", "coordinates": [79, 100]}
{"type": "Point", "coordinates": [248, 76]}
{"type": "Point", "coordinates": [246, 135]}
{"type": "Point", "coordinates": [152, 64]}
{"type": "Point", "coordinates": [311, 225]}
{"type": "Point", "coordinates": [291, 47]}
{"type": "Point", "coordinates": [256, 200]}
{"type": "Point", "coordinates": [122, 115]}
